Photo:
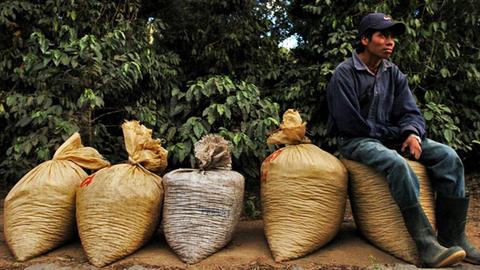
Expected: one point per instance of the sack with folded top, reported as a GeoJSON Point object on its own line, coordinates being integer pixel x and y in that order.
{"type": "Point", "coordinates": [118, 207]}
{"type": "Point", "coordinates": [40, 209]}
{"type": "Point", "coordinates": [303, 192]}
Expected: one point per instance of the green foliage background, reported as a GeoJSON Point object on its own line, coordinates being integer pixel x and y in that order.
{"type": "Point", "coordinates": [188, 68]}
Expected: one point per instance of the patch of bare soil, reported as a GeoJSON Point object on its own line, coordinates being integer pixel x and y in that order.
{"type": "Point", "coordinates": [247, 250]}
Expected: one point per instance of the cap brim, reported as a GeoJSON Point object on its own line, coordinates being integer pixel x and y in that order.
{"type": "Point", "coordinates": [397, 28]}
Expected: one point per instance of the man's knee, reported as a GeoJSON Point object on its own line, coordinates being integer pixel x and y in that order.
{"type": "Point", "coordinates": [450, 156]}
{"type": "Point", "coordinates": [398, 164]}
{"type": "Point", "coordinates": [389, 161]}
{"type": "Point", "coordinates": [440, 152]}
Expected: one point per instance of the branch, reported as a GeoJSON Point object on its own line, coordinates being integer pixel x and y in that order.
{"type": "Point", "coordinates": [108, 113]}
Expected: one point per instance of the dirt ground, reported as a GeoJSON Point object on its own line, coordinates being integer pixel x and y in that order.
{"type": "Point", "coordinates": [247, 250]}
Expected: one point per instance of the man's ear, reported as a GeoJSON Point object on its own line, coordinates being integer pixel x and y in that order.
{"type": "Point", "coordinates": [364, 40]}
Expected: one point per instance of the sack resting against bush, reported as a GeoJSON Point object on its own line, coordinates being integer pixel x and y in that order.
{"type": "Point", "coordinates": [377, 215]}
{"type": "Point", "coordinates": [118, 208]}
{"type": "Point", "coordinates": [202, 206]}
{"type": "Point", "coordinates": [303, 193]}
{"type": "Point", "coordinates": [40, 209]}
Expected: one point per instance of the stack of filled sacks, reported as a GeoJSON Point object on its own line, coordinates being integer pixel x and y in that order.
{"type": "Point", "coordinates": [377, 215]}
{"type": "Point", "coordinates": [118, 208]}
{"type": "Point", "coordinates": [303, 192]}
{"type": "Point", "coordinates": [202, 206]}
{"type": "Point", "coordinates": [40, 209]}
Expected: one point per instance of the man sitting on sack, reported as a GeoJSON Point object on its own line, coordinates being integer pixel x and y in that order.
{"type": "Point", "coordinates": [376, 119]}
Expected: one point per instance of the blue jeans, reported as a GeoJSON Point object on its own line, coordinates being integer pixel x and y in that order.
{"type": "Point", "coordinates": [442, 162]}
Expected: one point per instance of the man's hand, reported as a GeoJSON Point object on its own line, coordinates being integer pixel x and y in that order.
{"type": "Point", "coordinates": [413, 146]}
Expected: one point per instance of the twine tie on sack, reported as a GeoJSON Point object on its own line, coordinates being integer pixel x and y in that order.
{"type": "Point", "coordinates": [131, 161]}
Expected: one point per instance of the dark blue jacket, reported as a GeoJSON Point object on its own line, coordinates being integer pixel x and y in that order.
{"type": "Point", "coordinates": [379, 106]}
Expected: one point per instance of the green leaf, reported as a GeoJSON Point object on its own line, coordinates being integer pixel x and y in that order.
{"type": "Point", "coordinates": [198, 130]}
{"type": "Point", "coordinates": [11, 100]}
{"type": "Point", "coordinates": [73, 15]}
{"type": "Point", "coordinates": [428, 115]}
{"type": "Point", "coordinates": [46, 60]}
{"type": "Point", "coordinates": [27, 148]}
{"type": "Point", "coordinates": [189, 95]}
{"type": "Point", "coordinates": [125, 67]}
{"type": "Point", "coordinates": [74, 63]}
{"type": "Point", "coordinates": [83, 43]}
{"type": "Point", "coordinates": [23, 122]}
{"type": "Point", "coordinates": [65, 59]}
{"type": "Point", "coordinates": [237, 138]}
{"type": "Point", "coordinates": [210, 117]}
{"type": "Point", "coordinates": [182, 152]}
{"type": "Point", "coordinates": [170, 133]}
{"type": "Point", "coordinates": [444, 72]}
{"type": "Point", "coordinates": [175, 91]}
{"type": "Point", "coordinates": [220, 109]}
{"type": "Point", "coordinates": [228, 113]}
{"type": "Point", "coordinates": [448, 135]}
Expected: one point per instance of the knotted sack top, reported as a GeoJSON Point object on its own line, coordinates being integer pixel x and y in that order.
{"type": "Point", "coordinates": [86, 157]}
{"type": "Point", "coordinates": [292, 130]}
{"type": "Point", "coordinates": [142, 148]}
{"type": "Point", "coordinates": [212, 152]}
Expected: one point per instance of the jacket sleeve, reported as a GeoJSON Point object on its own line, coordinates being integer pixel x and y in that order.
{"type": "Point", "coordinates": [405, 111]}
{"type": "Point", "coordinates": [344, 106]}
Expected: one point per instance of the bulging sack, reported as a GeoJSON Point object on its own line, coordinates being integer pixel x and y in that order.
{"type": "Point", "coordinates": [118, 207]}
{"type": "Point", "coordinates": [202, 206]}
{"type": "Point", "coordinates": [303, 192]}
{"type": "Point", "coordinates": [40, 209]}
{"type": "Point", "coordinates": [377, 215]}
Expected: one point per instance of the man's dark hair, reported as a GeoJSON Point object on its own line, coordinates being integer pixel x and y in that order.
{"type": "Point", "coordinates": [367, 34]}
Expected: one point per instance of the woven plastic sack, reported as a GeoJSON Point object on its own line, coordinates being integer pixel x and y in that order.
{"type": "Point", "coordinates": [118, 208]}
{"type": "Point", "coordinates": [40, 209]}
{"type": "Point", "coordinates": [377, 215]}
{"type": "Point", "coordinates": [303, 192]}
{"type": "Point", "coordinates": [202, 206]}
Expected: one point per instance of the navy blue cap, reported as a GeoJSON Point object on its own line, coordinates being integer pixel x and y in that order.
{"type": "Point", "coordinates": [380, 21]}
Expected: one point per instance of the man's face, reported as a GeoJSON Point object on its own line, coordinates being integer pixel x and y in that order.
{"type": "Point", "coordinates": [380, 45]}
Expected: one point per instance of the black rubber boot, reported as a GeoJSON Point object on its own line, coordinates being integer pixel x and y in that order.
{"type": "Point", "coordinates": [431, 253]}
{"type": "Point", "coordinates": [451, 221]}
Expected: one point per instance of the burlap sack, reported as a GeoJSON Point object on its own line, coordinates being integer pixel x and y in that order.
{"type": "Point", "coordinates": [202, 206]}
{"type": "Point", "coordinates": [39, 213]}
{"type": "Point", "coordinates": [377, 215]}
{"type": "Point", "coordinates": [303, 193]}
{"type": "Point", "coordinates": [118, 207]}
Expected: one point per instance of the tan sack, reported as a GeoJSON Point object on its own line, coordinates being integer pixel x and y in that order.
{"type": "Point", "coordinates": [377, 215]}
{"type": "Point", "coordinates": [202, 206]}
{"type": "Point", "coordinates": [303, 192]}
{"type": "Point", "coordinates": [40, 209]}
{"type": "Point", "coordinates": [118, 207]}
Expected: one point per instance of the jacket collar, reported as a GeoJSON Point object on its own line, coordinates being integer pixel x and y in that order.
{"type": "Point", "coordinates": [359, 65]}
